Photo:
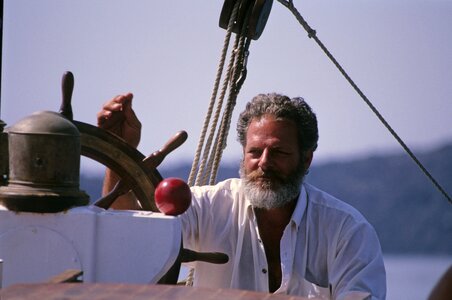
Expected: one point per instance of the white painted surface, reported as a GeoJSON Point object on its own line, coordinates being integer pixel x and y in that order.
{"type": "Point", "coordinates": [108, 246]}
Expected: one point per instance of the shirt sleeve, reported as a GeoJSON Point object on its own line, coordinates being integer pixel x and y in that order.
{"type": "Point", "coordinates": [209, 220]}
{"type": "Point", "coordinates": [357, 262]}
{"type": "Point", "coordinates": [192, 218]}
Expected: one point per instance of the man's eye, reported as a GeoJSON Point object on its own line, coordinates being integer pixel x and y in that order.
{"type": "Point", "coordinates": [280, 152]}
{"type": "Point", "coordinates": [255, 152]}
{"type": "Point", "coordinates": [283, 152]}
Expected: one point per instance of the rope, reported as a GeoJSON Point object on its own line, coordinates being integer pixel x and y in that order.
{"type": "Point", "coordinates": [191, 178]}
{"type": "Point", "coordinates": [240, 56]}
{"type": "Point", "coordinates": [195, 165]}
{"type": "Point", "coordinates": [235, 75]}
{"type": "Point", "coordinates": [312, 34]}
{"type": "Point", "coordinates": [237, 81]}
{"type": "Point", "coordinates": [203, 170]}
{"type": "Point", "coordinates": [199, 168]}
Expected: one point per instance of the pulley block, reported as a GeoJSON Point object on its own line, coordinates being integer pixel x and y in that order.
{"type": "Point", "coordinates": [251, 16]}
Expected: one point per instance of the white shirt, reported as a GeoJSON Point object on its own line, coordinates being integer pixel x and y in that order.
{"type": "Point", "coordinates": [328, 249]}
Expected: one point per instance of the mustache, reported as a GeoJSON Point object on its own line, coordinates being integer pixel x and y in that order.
{"type": "Point", "coordinates": [259, 174]}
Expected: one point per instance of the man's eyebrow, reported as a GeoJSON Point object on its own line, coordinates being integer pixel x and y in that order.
{"type": "Point", "coordinates": [254, 148]}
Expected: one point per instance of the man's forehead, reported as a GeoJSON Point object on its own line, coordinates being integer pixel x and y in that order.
{"type": "Point", "coordinates": [272, 130]}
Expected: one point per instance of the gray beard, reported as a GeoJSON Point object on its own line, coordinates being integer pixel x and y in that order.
{"type": "Point", "coordinates": [271, 193]}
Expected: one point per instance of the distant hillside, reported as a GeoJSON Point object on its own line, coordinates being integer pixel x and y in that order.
{"type": "Point", "coordinates": [408, 212]}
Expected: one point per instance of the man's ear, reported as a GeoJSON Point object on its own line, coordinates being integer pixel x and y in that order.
{"type": "Point", "coordinates": [308, 159]}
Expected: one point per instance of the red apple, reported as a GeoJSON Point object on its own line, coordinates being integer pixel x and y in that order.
{"type": "Point", "coordinates": [172, 196]}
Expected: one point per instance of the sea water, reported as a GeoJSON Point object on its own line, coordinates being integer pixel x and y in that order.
{"type": "Point", "coordinates": [413, 277]}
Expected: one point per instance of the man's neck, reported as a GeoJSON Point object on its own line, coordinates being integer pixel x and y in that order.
{"type": "Point", "coordinates": [279, 216]}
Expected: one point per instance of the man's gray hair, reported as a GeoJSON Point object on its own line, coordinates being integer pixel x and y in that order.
{"type": "Point", "coordinates": [284, 108]}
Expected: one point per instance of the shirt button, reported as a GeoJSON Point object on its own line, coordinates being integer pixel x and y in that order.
{"type": "Point", "coordinates": [264, 271]}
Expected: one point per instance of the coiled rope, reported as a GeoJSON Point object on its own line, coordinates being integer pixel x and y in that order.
{"type": "Point", "coordinates": [312, 34]}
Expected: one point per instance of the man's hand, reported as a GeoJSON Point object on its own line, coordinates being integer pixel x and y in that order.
{"type": "Point", "coordinates": [118, 117]}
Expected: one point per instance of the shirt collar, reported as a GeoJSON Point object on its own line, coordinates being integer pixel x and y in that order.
{"type": "Point", "coordinates": [300, 207]}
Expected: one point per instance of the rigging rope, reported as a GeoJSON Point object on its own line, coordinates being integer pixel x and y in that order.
{"type": "Point", "coordinates": [195, 165]}
{"type": "Point", "coordinates": [238, 78]}
{"type": "Point", "coordinates": [312, 34]}
{"type": "Point", "coordinates": [205, 171]}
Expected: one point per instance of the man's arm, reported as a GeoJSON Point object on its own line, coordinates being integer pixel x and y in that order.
{"type": "Point", "coordinates": [118, 117]}
{"type": "Point", "coordinates": [357, 266]}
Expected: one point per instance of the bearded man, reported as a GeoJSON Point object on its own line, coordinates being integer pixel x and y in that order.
{"type": "Point", "coordinates": [281, 234]}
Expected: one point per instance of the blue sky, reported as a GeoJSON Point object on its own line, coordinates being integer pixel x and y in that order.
{"type": "Point", "coordinates": [167, 52]}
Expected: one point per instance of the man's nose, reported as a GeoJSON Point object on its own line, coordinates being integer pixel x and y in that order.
{"type": "Point", "coordinates": [265, 160]}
